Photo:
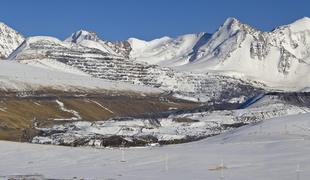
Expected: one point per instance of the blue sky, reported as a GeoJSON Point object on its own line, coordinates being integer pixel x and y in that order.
{"type": "Point", "coordinates": [144, 19]}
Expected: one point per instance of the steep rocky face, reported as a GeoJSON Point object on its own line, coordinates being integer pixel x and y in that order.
{"type": "Point", "coordinates": [122, 48]}
{"type": "Point", "coordinates": [9, 40]}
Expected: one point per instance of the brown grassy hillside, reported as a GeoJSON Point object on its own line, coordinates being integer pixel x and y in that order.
{"type": "Point", "coordinates": [18, 111]}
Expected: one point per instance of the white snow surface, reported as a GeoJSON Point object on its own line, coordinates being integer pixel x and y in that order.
{"type": "Point", "coordinates": [166, 51]}
{"type": "Point", "coordinates": [274, 149]}
{"type": "Point", "coordinates": [18, 76]}
{"type": "Point", "coordinates": [54, 65]}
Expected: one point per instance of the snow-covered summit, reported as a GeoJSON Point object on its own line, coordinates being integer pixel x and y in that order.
{"type": "Point", "coordinates": [81, 35]}
{"type": "Point", "coordinates": [31, 47]}
{"type": "Point", "coordinates": [91, 40]}
{"type": "Point", "coordinates": [136, 43]}
{"type": "Point", "coordinates": [9, 40]}
{"type": "Point", "coordinates": [300, 24]}
{"type": "Point", "coordinates": [48, 39]}
{"type": "Point", "coordinates": [167, 51]}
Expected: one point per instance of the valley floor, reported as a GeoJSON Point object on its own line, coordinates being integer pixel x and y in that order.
{"type": "Point", "coordinates": [273, 149]}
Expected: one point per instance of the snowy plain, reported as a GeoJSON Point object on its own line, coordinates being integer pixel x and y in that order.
{"type": "Point", "coordinates": [273, 149]}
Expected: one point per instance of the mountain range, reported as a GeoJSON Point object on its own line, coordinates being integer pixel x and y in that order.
{"type": "Point", "coordinates": [235, 49]}
{"type": "Point", "coordinates": [151, 84]}
{"type": "Point", "coordinates": [110, 95]}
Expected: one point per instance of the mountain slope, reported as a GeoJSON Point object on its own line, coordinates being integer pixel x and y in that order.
{"type": "Point", "coordinates": [9, 40]}
{"type": "Point", "coordinates": [168, 51]}
{"type": "Point", "coordinates": [15, 76]}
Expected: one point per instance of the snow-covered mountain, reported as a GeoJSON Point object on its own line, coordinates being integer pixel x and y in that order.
{"type": "Point", "coordinates": [282, 54]}
{"type": "Point", "coordinates": [167, 51]}
{"type": "Point", "coordinates": [91, 40]}
{"type": "Point", "coordinates": [238, 50]}
{"type": "Point", "coordinates": [200, 65]}
{"type": "Point", "coordinates": [235, 49]}
{"type": "Point", "coordinates": [9, 40]}
{"type": "Point", "coordinates": [97, 63]}
{"type": "Point", "coordinates": [164, 51]}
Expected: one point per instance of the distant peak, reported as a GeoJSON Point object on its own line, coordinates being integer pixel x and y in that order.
{"type": "Point", "coordinates": [300, 25]}
{"type": "Point", "coordinates": [231, 20]}
{"type": "Point", "coordinates": [233, 24]}
{"type": "Point", "coordinates": [305, 21]}
{"type": "Point", "coordinates": [2, 24]}
{"type": "Point", "coordinates": [5, 26]}
{"type": "Point", "coordinates": [82, 35]}
{"type": "Point", "coordinates": [136, 40]}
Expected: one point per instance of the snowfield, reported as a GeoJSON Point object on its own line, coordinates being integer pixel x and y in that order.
{"type": "Point", "coordinates": [273, 149]}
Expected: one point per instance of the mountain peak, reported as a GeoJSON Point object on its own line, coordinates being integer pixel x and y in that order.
{"type": "Point", "coordinates": [303, 20]}
{"type": "Point", "coordinates": [2, 24]}
{"type": "Point", "coordinates": [9, 40]}
{"type": "Point", "coordinates": [233, 24]}
{"type": "Point", "coordinates": [82, 35]}
{"type": "Point", "coordinates": [300, 24]}
{"type": "Point", "coordinates": [34, 39]}
{"type": "Point", "coordinates": [230, 21]}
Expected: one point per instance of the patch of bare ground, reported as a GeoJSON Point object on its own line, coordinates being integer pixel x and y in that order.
{"type": "Point", "coordinates": [18, 110]}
